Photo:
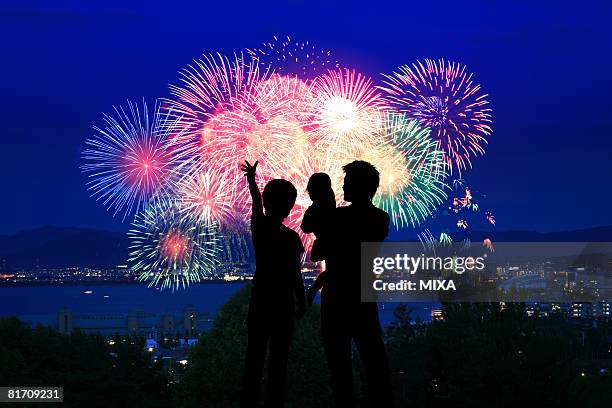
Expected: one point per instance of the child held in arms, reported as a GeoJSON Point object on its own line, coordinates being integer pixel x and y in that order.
{"type": "Point", "coordinates": [277, 297]}
{"type": "Point", "coordinates": [315, 220]}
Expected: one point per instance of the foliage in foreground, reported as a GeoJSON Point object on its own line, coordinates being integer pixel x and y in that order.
{"type": "Point", "coordinates": [92, 372]}
{"type": "Point", "coordinates": [483, 355]}
{"type": "Point", "coordinates": [480, 356]}
{"type": "Point", "coordinates": [214, 377]}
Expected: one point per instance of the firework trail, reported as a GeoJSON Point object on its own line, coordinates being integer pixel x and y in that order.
{"type": "Point", "coordinates": [293, 58]}
{"type": "Point", "coordinates": [131, 157]}
{"type": "Point", "coordinates": [169, 250]}
{"type": "Point", "coordinates": [443, 96]}
{"type": "Point", "coordinates": [269, 124]}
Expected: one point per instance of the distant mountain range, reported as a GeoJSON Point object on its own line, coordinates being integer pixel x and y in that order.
{"type": "Point", "coordinates": [56, 247]}
{"type": "Point", "coordinates": [598, 234]}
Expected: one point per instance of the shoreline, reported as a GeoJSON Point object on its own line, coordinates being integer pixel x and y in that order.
{"type": "Point", "coordinates": [110, 283]}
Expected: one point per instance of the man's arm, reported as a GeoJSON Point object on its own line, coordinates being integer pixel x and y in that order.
{"type": "Point", "coordinates": [249, 172]}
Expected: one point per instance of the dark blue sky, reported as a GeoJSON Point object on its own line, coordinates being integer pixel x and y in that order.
{"type": "Point", "coordinates": [547, 66]}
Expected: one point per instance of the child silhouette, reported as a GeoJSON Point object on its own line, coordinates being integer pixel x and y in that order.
{"type": "Point", "coordinates": [315, 220]}
{"type": "Point", "coordinates": [277, 297]}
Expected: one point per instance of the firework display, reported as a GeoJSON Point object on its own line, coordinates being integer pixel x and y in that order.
{"type": "Point", "coordinates": [412, 190]}
{"type": "Point", "coordinates": [131, 157]}
{"type": "Point", "coordinates": [170, 250]}
{"type": "Point", "coordinates": [444, 97]}
{"type": "Point", "coordinates": [290, 106]}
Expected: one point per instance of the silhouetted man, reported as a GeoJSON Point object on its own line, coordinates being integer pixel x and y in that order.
{"type": "Point", "coordinates": [343, 316]}
{"type": "Point", "coordinates": [278, 289]}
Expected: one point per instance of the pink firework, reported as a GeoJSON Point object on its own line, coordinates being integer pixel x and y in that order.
{"type": "Point", "coordinates": [265, 121]}
{"type": "Point", "coordinates": [131, 157]}
{"type": "Point", "coordinates": [175, 246]}
{"type": "Point", "coordinates": [443, 96]}
{"type": "Point", "coordinates": [211, 86]}
{"type": "Point", "coordinates": [460, 202]}
{"type": "Point", "coordinates": [210, 195]}
{"type": "Point", "coordinates": [233, 111]}
{"type": "Point", "coordinates": [280, 95]}
{"type": "Point", "coordinates": [280, 144]}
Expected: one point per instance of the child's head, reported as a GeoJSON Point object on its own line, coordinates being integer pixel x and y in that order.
{"type": "Point", "coordinates": [278, 198]}
{"type": "Point", "coordinates": [319, 187]}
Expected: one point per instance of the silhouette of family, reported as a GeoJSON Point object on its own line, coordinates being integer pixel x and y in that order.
{"type": "Point", "coordinates": [278, 296]}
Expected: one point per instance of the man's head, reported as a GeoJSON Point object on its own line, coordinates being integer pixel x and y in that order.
{"type": "Point", "coordinates": [361, 181]}
{"type": "Point", "coordinates": [278, 198]}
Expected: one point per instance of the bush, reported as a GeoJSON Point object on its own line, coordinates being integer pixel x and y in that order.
{"type": "Point", "coordinates": [82, 364]}
{"type": "Point", "coordinates": [214, 376]}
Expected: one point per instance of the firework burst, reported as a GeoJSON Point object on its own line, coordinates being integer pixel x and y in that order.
{"type": "Point", "coordinates": [131, 157]}
{"type": "Point", "coordinates": [412, 172]}
{"type": "Point", "coordinates": [211, 86]}
{"type": "Point", "coordinates": [443, 96]}
{"type": "Point", "coordinates": [290, 57]}
{"type": "Point", "coordinates": [281, 145]}
{"type": "Point", "coordinates": [347, 112]}
{"type": "Point", "coordinates": [210, 196]}
{"type": "Point", "coordinates": [169, 250]}
{"type": "Point", "coordinates": [280, 95]}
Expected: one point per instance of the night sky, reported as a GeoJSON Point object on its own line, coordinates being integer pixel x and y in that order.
{"type": "Point", "coordinates": [547, 66]}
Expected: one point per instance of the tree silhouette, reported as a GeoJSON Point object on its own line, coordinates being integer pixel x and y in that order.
{"type": "Point", "coordinates": [214, 375]}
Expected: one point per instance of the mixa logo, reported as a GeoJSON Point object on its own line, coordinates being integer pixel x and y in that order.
{"type": "Point", "coordinates": [409, 285]}
{"type": "Point", "coordinates": [437, 284]}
